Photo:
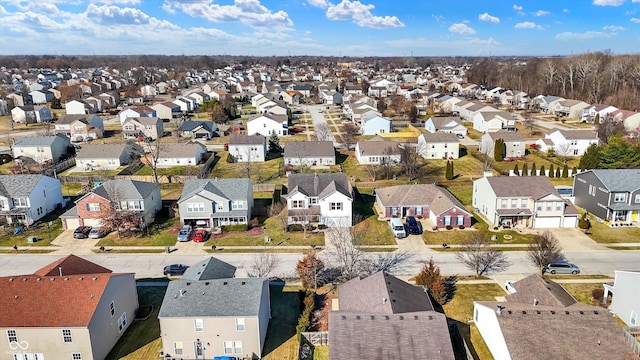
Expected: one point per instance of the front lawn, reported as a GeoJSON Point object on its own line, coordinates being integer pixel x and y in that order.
{"type": "Point", "coordinates": [40, 230]}
{"type": "Point", "coordinates": [457, 236]}
{"type": "Point", "coordinates": [259, 172]}
{"type": "Point", "coordinates": [275, 232]}
{"type": "Point", "coordinates": [162, 232]}
{"type": "Point", "coordinates": [602, 233]}
{"type": "Point", "coordinates": [281, 342]}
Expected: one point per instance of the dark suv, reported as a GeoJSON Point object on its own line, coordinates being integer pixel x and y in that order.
{"type": "Point", "coordinates": [414, 226]}
{"type": "Point", "coordinates": [81, 232]}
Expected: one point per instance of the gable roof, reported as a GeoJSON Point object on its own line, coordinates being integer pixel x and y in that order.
{"type": "Point", "coordinates": [439, 137]}
{"type": "Point", "coordinates": [71, 265]}
{"type": "Point", "coordinates": [437, 198]}
{"type": "Point", "coordinates": [255, 139]}
{"type": "Point", "coordinates": [303, 149]}
{"type": "Point", "coordinates": [177, 150]}
{"type": "Point", "coordinates": [374, 147]}
{"type": "Point", "coordinates": [545, 291]}
{"type": "Point", "coordinates": [576, 134]}
{"type": "Point", "coordinates": [319, 185]}
{"type": "Point", "coordinates": [192, 125]}
{"type": "Point", "coordinates": [71, 118]}
{"type": "Point", "coordinates": [213, 298]}
{"type": "Point", "coordinates": [445, 121]}
{"type": "Point", "coordinates": [507, 136]}
{"type": "Point", "coordinates": [101, 151]}
{"type": "Point", "coordinates": [124, 189]}
{"type": "Point", "coordinates": [535, 187]}
{"type": "Point", "coordinates": [209, 269]}
{"type": "Point", "coordinates": [40, 140]}
{"type": "Point", "coordinates": [18, 185]}
{"type": "Point", "coordinates": [233, 189]}
{"type": "Point", "coordinates": [618, 180]}
{"type": "Point", "coordinates": [144, 120]}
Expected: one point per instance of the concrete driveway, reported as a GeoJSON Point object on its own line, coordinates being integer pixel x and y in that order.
{"type": "Point", "coordinates": [575, 240]}
{"type": "Point", "coordinates": [69, 245]}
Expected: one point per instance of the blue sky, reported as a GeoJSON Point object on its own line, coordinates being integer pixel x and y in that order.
{"type": "Point", "coordinates": [318, 27]}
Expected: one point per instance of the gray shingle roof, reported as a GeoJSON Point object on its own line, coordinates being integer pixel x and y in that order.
{"type": "Point", "coordinates": [619, 179]}
{"type": "Point", "coordinates": [70, 118]}
{"type": "Point", "coordinates": [209, 269]}
{"type": "Point", "coordinates": [233, 189]}
{"type": "Point", "coordinates": [576, 134]}
{"type": "Point", "coordinates": [177, 150]}
{"type": "Point", "coordinates": [218, 297]}
{"type": "Point", "coordinates": [101, 151]}
{"type": "Point", "coordinates": [191, 125]}
{"type": "Point", "coordinates": [440, 137]}
{"type": "Point", "coordinates": [441, 122]}
{"type": "Point", "coordinates": [507, 136]}
{"type": "Point", "coordinates": [437, 198]}
{"type": "Point", "coordinates": [303, 149]}
{"type": "Point", "coordinates": [144, 120]}
{"type": "Point", "coordinates": [535, 187]}
{"type": "Point", "coordinates": [18, 185]}
{"type": "Point", "coordinates": [40, 140]}
{"type": "Point", "coordinates": [256, 139]}
{"type": "Point", "coordinates": [126, 189]}
{"type": "Point", "coordinates": [373, 147]}
{"type": "Point", "coordinates": [319, 184]}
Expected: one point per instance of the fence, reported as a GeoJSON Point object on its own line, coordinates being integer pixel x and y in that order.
{"type": "Point", "coordinates": [208, 165]}
{"type": "Point", "coordinates": [264, 187]}
{"type": "Point", "coordinates": [59, 167]}
{"type": "Point", "coordinates": [632, 334]}
{"type": "Point", "coordinates": [162, 179]}
{"type": "Point", "coordinates": [317, 338]}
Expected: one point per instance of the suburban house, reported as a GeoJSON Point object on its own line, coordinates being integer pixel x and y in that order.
{"type": "Point", "coordinates": [195, 129]}
{"type": "Point", "coordinates": [438, 145]}
{"type": "Point", "coordinates": [80, 127]}
{"type": "Point", "coordinates": [569, 108]}
{"type": "Point", "coordinates": [42, 148]}
{"type": "Point", "coordinates": [601, 111]}
{"type": "Point", "coordinates": [69, 309]}
{"type": "Point", "coordinates": [106, 156]}
{"type": "Point", "coordinates": [140, 197]}
{"type": "Point", "coordinates": [25, 199]}
{"type": "Point", "coordinates": [372, 310]}
{"type": "Point", "coordinates": [177, 154]}
{"type": "Point", "coordinates": [78, 107]}
{"type": "Point", "coordinates": [266, 124]}
{"type": "Point", "coordinates": [142, 127]}
{"type": "Point", "coordinates": [376, 152]}
{"type": "Point", "coordinates": [166, 110]}
{"type": "Point", "coordinates": [319, 198]}
{"type": "Point", "coordinates": [207, 315]}
{"type": "Point", "coordinates": [139, 111]}
{"type": "Point", "coordinates": [247, 148]}
{"type": "Point", "coordinates": [373, 124]}
{"type": "Point", "coordinates": [630, 119]}
{"type": "Point", "coordinates": [568, 142]}
{"type": "Point", "coordinates": [625, 301]}
{"type": "Point", "coordinates": [541, 320]}
{"type": "Point", "coordinates": [309, 153]}
{"type": "Point", "coordinates": [486, 121]}
{"type": "Point", "coordinates": [449, 124]}
{"type": "Point", "coordinates": [545, 103]}
{"type": "Point", "coordinates": [29, 114]}
{"type": "Point", "coordinates": [514, 144]}
{"type": "Point", "coordinates": [522, 201]}
{"type": "Point", "coordinates": [423, 201]}
{"type": "Point", "coordinates": [612, 195]}
{"type": "Point", "coordinates": [216, 202]}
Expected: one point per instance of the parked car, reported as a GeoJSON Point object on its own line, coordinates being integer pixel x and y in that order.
{"type": "Point", "coordinates": [413, 225]}
{"type": "Point", "coordinates": [185, 234]}
{"type": "Point", "coordinates": [81, 232]}
{"type": "Point", "coordinates": [174, 269]}
{"type": "Point", "coordinates": [298, 112]}
{"type": "Point", "coordinates": [460, 136]}
{"type": "Point", "coordinates": [295, 130]}
{"type": "Point", "coordinates": [200, 235]}
{"type": "Point", "coordinates": [98, 232]}
{"type": "Point", "coordinates": [561, 267]}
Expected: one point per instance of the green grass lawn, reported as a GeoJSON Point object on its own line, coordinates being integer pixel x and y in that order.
{"type": "Point", "coordinates": [602, 233]}
{"type": "Point", "coordinates": [281, 342]}
{"type": "Point", "coordinates": [160, 234]}
{"type": "Point", "coordinates": [582, 292]}
{"type": "Point", "coordinates": [457, 236]}
{"type": "Point", "coordinates": [171, 191]}
{"type": "Point", "coordinates": [169, 171]}
{"type": "Point", "coordinates": [142, 339]}
{"type": "Point", "coordinates": [460, 309]}
{"type": "Point", "coordinates": [275, 232]}
{"type": "Point", "coordinates": [260, 171]}
{"type": "Point", "coordinates": [40, 230]}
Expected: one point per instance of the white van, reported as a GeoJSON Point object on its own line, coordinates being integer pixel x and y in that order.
{"type": "Point", "coordinates": [397, 228]}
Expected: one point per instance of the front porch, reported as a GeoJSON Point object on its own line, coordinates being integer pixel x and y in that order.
{"type": "Point", "coordinates": [514, 218]}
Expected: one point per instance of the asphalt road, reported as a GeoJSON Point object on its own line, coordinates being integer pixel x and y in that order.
{"type": "Point", "coordinates": [317, 118]}
{"type": "Point", "coordinates": [150, 265]}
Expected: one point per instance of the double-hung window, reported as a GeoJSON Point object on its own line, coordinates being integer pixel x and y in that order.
{"type": "Point", "coordinates": [198, 324]}
{"type": "Point", "coordinates": [335, 206]}
{"type": "Point", "coordinates": [66, 336]}
{"type": "Point", "coordinates": [239, 324]}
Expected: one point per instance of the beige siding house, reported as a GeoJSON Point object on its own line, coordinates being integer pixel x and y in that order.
{"type": "Point", "coordinates": [70, 309]}
{"type": "Point", "coordinates": [208, 313]}
{"type": "Point", "coordinates": [149, 127]}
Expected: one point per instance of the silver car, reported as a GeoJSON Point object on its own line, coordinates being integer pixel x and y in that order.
{"type": "Point", "coordinates": [185, 233]}
{"type": "Point", "coordinates": [562, 267]}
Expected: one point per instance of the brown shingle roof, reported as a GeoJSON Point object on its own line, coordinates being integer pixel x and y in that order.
{"type": "Point", "coordinates": [71, 265]}
{"type": "Point", "coordinates": [545, 291]}
{"type": "Point", "coordinates": [255, 139]}
{"type": "Point", "coordinates": [535, 187]}
{"type": "Point", "coordinates": [304, 149]}
{"type": "Point", "coordinates": [438, 199]}
{"type": "Point", "coordinates": [440, 137]}
{"type": "Point", "coordinates": [507, 136]}
{"type": "Point", "coordinates": [379, 147]}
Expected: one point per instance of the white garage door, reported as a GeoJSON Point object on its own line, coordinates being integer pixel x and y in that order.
{"type": "Point", "coordinates": [72, 223]}
{"type": "Point", "coordinates": [546, 222]}
{"type": "Point", "coordinates": [570, 222]}
{"type": "Point", "coordinates": [92, 222]}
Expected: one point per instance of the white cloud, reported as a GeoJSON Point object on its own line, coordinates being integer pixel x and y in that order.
{"type": "Point", "coordinates": [487, 17]}
{"type": "Point", "coordinates": [527, 25]}
{"type": "Point", "coordinates": [635, 20]}
{"type": "Point", "coordinates": [565, 10]}
{"type": "Point", "coordinates": [3, 11]}
{"type": "Point", "coordinates": [361, 15]}
{"type": "Point", "coordinates": [248, 12]}
{"type": "Point", "coordinates": [110, 15]}
{"type": "Point", "coordinates": [319, 3]}
{"type": "Point", "coordinates": [541, 13]}
{"type": "Point", "coordinates": [613, 28]}
{"type": "Point", "coordinates": [609, 2]}
{"type": "Point", "coordinates": [121, 2]}
{"type": "Point", "coordinates": [461, 28]}
{"type": "Point", "coordinates": [517, 7]}
{"type": "Point", "coordinates": [568, 35]}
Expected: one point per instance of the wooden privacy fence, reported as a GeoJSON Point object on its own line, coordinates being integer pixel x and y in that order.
{"type": "Point", "coordinates": [317, 338]}
{"type": "Point", "coordinates": [632, 334]}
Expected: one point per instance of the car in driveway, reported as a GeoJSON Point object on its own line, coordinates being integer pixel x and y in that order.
{"type": "Point", "coordinates": [295, 130]}
{"type": "Point", "coordinates": [98, 232]}
{"type": "Point", "coordinates": [81, 232]}
{"type": "Point", "coordinates": [200, 235]}
{"type": "Point", "coordinates": [561, 267]}
{"type": "Point", "coordinates": [185, 234]}
{"type": "Point", "coordinates": [413, 225]}
{"type": "Point", "coordinates": [174, 269]}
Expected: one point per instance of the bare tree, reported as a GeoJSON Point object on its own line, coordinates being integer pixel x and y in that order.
{"type": "Point", "coordinates": [544, 249]}
{"type": "Point", "coordinates": [117, 215]}
{"type": "Point", "coordinates": [372, 170]}
{"type": "Point", "coordinates": [478, 255]}
{"type": "Point", "coordinates": [409, 161]}
{"type": "Point", "coordinates": [263, 264]}
{"type": "Point", "coordinates": [153, 151]}
{"type": "Point", "coordinates": [349, 135]}
{"type": "Point", "coordinates": [528, 122]}
{"type": "Point", "coordinates": [323, 132]}
{"type": "Point", "coordinates": [563, 150]}
{"type": "Point", "coordinates": [279, 213]}
{"type": "Point", "coordinates": [388, 262]}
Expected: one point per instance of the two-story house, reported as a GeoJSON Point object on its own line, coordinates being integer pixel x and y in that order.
{"type": "Point", "coordinates": [601, 111]}
{"type": "Point", "coordinates": [69, 309]}
{"type": "Point", "coordinates": [514, 144]}
{"type": "Point", "coordinates": [568, 142]}
{"type": "Point", "coordinates": [106, 156]}
{"type": "Point", "coordinates": [24, 199]}
{"type": "Point", "coordinates": [142, 127]}
{"type": "Point", "coordinates": [487, 121]}
{"type": "Point", "coordinates": [625, 301]}
{"type": "Point", "coordinates": [248, 148]}
{"type": "Point", "coordinates": [309, 153]}
{"type": "Point", "coordinates": [176, 154]}
{"type": "Point", "coordinates": [378, 151]}
{"type": "Point", "coordinates": [80, 127]}
{"type": "Point", "coordinates": [373, 124]}
{"type": "Point", "coordinates": [570, 108]}
{"type": "Point", "coordinates": [216, 202]}
{"type": "Point", "coordinates": [209, 314]}
{"type": "Point", "coordinates": [266, 124]}
{"type": "Point", "coordinates": [78, 107]}
{"type": "Point", "coordinates": [612, 195]}
{"type": "Point", "coordinates": [438, 145]}
{"type": "Point", "coordinates": [450, 124]}
{"type": "Point", "coordinates": [522, 201]}
{"type": "Point", "coordinates": [319, 198]}
{"type": "Point", "coordinates": [139, 111]}
{"type": "Point", "coordinates": [140, 197]}
{"type": "Point", "coordinates": [42, 148]}
{"type": "Point", "coordinates": [166, 110]}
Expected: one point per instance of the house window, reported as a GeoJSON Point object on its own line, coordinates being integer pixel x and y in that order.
{"type": "Point", "coordinates": [232, 347]}
{"type": "Point", "coordinates": [77, 127]}
{"type": "Point", "coordinates": [93, 207]}
{"type": "Point", "coordinates": [178, 348]}
{"type": "Point", "coordinates": [20, 202]}
{"type": "Point", "coordinates": [128, 127]}
{"type": "Point", "coordinates": [76, 356]}
{"type": "Point", "coordinates": [122, 322]}
{"type": "Point", "coordinates": [637, 198]}
{"type": "Point", "coordinates": [475, 316]}
{"type": "Point", "coordinates": [12, 336]}
{"type": "Point", "coordinates": [619, 197]}
{"type": "Point", "coordinates": [548, 205]}
{"type": "Point", "coordinates": [112, 309]}
{"type": "Point", "coordinates": [335, 206]}
{"type": "Point", "coordinates": [514, 203]}
{"type": "Point", "coordinates": [592, 190]}
{"type": "Point", "coordinates": [460, 220]}
{"type": "Point", "coordinates": [135, 205]}
{"type": "Point", "coordinates": [66, 336]}
{"type": "Point", "coordinates": [195, 207]}
{"type": "Point", "coordinates": [313, 200]}
{"type": "Point", "coordinates": [297, 204]}
{"type": "Point", "coordinates": [237, 204]}
{"type": "Point", "coordinates": [558, 206]}
{"type": "Point", "coordinates": [634, 318]}
{"type": "Point", "coordinates": [148, 127]}
{"type": "Point", "coordinates": [111, 162]}
{"type": "Point", "coordinates": [503, 203]}
{"type": "Point", "coordinates": [239, 324]}
{"type": "Point", "coordinates": [198, 324]}
{"type": "Point", "coordinates": [447, 220]}
{"type": "Point", "coordinates": [40, 149]}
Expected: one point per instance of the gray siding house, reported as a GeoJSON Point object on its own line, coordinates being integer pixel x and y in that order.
{"type": "Point", "coordinates": [248, 148]}
{"type": "Point", "coordinates": [309, 153]}
{"type": "Point", "coordinates": [216, 202]}
{"type": "Point", "coordinates": [612, 195]}
{"type": "Point", "coordinates": [42, 148]}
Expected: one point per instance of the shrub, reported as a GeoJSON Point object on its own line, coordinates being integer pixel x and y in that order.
{"type": "Point", "coordinates": [322, 226]}
{"type": "Point", "coordinates": [419, 216]}
{"type": "Point", "coordinates": [460, 227]}
{"type": "Point", "coordinates": [295, 227]}
{"type": "Point", "coordinates": [449, 227]}
{"type": "Point", "coordinates": [229, 158]}
{"type": "Point", "coordinates": [597, 294]}
{"type": "Point", "coordinates": [237, 227]}
{"type": "Point", "coordinates": [495, 228]}
{"type": "Point", "coordinates": [308, 302]}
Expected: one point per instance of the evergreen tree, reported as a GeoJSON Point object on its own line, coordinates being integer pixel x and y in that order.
{"type": "Point", "coordinates": [552, 171]}
{"type": "Point", "coordinates": [558, 172]}
{"type": "Point", "coordinates": [565, 171]}
{"type": "Point", "coordinates": [574, 170]}
{"type": "Point", "coordinates": [525, 170]}
{"type": "Point", "coordinates": [274, 143]}
{"type": "Point", "coordinates": [542, 171]}
{"type": "Point", "coordinates": [516, 171]}
{"type": "Point", "coordinates": [533, 169]}
{"type": "Point", "coordinates": [498, 150]}
{"type": "Point", "coordinates": [591, 158]}
{"type": "Point", "coordinates": [449, 170]}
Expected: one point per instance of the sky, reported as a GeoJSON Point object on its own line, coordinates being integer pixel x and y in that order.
{"type": "Point", "coordinates": [318, 27]}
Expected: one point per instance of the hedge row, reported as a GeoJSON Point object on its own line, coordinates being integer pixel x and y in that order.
{"type": "Point", "coordinates": [304, 322]}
